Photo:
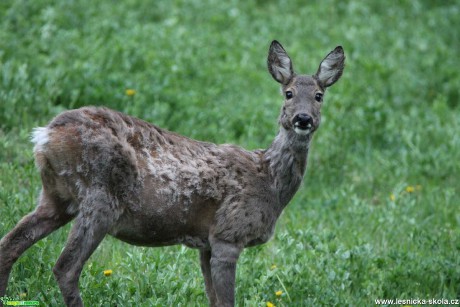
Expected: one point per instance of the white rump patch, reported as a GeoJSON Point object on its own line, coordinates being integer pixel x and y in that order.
{"type": "Point", "coordinates": [40, 138]}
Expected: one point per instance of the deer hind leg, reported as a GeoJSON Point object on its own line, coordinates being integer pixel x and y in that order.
{"type": "Point", "coordinates": [48, 216]}
{"type": "Point", "coordinates": [96, 217]}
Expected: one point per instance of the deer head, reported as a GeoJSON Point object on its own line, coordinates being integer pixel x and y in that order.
{"type": "Point", "coordinates": [303, 94]}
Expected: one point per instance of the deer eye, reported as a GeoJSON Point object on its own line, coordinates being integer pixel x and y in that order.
{"type": "Point", "coordinates": [289, 95]}
{"type": "Point", "coordinates": [319, 97]}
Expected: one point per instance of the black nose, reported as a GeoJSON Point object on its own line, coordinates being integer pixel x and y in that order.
{"type": "Point", "coordinates": [303, 120]}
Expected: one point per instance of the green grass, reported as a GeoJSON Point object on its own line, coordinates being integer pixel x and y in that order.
{"type": "Point", "coordinates": [198, 68]}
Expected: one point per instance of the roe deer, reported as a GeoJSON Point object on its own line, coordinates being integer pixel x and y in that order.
{"type": "Point", "coordinates": [118, 175]}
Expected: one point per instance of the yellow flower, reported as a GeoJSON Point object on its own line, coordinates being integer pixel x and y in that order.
{"type": "Point", "coordinates": [107, 272]}
{"type": "Point", "coordinates": [410, 189]}
{"type": "Point", "coordinates": [273, 267]}
{"type": "Point", "coordinates": [22, 295]}
{"type": "Point", "coordinates": [270, 304]}
{"type": "Point", "coordinates": [278, 293]}
{"type": "Point", "coordinates": [130, 92]}
{"type": "Point", "coordinates": [392, 197]}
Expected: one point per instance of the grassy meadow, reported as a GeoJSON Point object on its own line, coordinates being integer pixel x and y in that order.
{"type": "Point", "coordinates": [378, 214]}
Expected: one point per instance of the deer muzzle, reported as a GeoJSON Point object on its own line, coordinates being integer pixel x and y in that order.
{"type": "Point", "coordinates": [303, 123]}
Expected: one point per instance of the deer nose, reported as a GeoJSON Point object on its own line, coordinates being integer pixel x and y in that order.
{"type": "Point", "coordinates": [303, 121]}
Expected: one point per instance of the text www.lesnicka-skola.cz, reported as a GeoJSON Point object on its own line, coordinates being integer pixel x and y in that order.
{"type": "Point", "coordinates": [416, 301]}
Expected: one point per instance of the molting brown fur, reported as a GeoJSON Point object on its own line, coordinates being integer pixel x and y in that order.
{"type": "Point", "coordinates": [118, 175]}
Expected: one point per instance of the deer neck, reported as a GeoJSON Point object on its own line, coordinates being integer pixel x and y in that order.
{"type": "Point", "coordinates": [287, 161]}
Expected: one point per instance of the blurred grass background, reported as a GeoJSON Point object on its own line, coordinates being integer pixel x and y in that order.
{"type": "Point", "coordinates": [378, 214]}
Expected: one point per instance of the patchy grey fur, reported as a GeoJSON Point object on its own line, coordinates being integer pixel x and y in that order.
{"type": "Point", "coordinates": [118, 175]}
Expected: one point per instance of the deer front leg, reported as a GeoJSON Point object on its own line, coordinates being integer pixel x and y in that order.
{"type": "Point", "coordinates": [205, 261]}
{"type": "Point", "coordinates": [224, 256]}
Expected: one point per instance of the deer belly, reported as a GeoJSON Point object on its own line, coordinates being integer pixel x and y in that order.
{"type": "Point", "coordinates": [157, 225]}
{"type": "Point", "coordinates": [187, 240]}
{"type": "Point", "coordinates": [158, 233]}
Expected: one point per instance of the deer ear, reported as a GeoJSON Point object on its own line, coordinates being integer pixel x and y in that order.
{"type": "Point", "coordinates": [279, 63]}
{"type": "Point", "coordinates": [331, 68]}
